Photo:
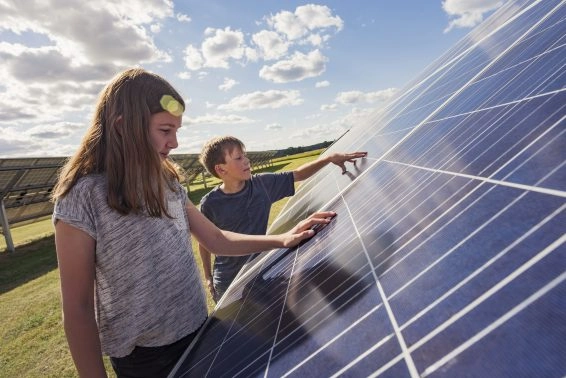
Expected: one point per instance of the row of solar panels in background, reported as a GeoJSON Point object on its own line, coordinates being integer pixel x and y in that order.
{"type": "Point", "coordinates": [26, 183]}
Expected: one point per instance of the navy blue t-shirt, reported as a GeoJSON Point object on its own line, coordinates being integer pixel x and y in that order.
{"type": "Point", "coordinates": [245, 212]}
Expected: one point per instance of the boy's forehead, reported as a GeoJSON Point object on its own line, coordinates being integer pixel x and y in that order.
{"type": "Point", "coordinates": [232, 149]}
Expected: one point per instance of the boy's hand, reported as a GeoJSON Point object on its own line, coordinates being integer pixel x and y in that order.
{"type": "Point", "coordinates": [304, 229]}
{"type": "Point", "coordinates": [339, 159]}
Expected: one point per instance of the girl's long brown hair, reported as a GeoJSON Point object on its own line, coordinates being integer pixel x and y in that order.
{"type": "Point", "coordinates": [117, 144]}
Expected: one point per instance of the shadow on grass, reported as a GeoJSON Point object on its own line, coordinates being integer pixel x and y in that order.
{"type": "Point", "coordinates": [29, 262]}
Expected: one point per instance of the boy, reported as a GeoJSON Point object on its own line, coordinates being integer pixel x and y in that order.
{"type": "Point", "coordinates": [243, 201]}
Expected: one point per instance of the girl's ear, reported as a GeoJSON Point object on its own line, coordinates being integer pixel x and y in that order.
{"type": "Point", "coordinates": [118, 125]}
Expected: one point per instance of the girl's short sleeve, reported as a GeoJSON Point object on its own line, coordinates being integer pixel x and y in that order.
{"type": "Point", "coordinates": [76, 209]}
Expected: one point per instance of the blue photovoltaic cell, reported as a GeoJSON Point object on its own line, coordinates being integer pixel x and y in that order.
{"type": "Point", "coordinates": [447, 255]}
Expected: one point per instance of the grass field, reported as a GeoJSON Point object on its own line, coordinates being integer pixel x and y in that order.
{"type": "Point", "coordinates": [32, 342]}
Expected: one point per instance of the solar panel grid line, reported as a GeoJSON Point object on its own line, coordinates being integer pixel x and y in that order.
{"type": "Point", "coordinates": [404, 326]}
{"type": "Point", "coordinates": [245, 325]}
{"type": "Point", "coordinates": [321, 320]}
{"type": "Point", "coordinates": [545, 252]}
{"type": "Point", "coordinates": [407, 232]}
{"type": "Point", "coordinates": [528, 301]}
{"type": "Point", "coordinates": [336, 338]}
{"type": "Point", "coordinates": [275, 343]}
{"type": "Point", "coordinates": [440, 218]}
{"type": "Point", "coordinates": [553, 192]}
{"type": "Point", "coordinates": [518, 142]}
{"type": "Point", "coordinates": [456, 246]}
{"type": "Point", "coordinates": [399, 336]}
{"type": "Point", "coordinates": [225, 337]}
{"type": "Point", "coordinates": [525, 136]}
{"type": "Point", "coordinates": [280, 317]}
{"type": "Point", "coordinates": [482, 268]}
{"type": "Point", "coordinates": [462, 148]}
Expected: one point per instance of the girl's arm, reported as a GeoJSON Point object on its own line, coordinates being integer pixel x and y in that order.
{"type": "Point", "coordinates": [75, 255]}
{"type": "Point", "coordinates": [207, 268]}
{"type": "Point", "coordinates": [227, 243]}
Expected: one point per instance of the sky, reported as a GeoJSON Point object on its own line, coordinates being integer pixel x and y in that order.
{"type": "Point", "coordinates": [275, 74]}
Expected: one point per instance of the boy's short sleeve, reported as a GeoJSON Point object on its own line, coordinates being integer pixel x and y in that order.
{"type": "Point", "coordinates": [75, 209]}
{"type": "Point", "coordinates": [277, 185]}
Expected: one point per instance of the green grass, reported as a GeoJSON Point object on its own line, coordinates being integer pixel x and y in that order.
{"type": "Point", "coordinates": [32, 341]}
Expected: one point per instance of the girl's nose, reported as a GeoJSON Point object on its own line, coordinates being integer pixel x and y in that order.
{"type": "Point", "coordinates": [173, 142]}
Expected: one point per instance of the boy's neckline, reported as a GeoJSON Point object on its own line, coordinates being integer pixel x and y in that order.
{"type": "Point", "coordinates": [232, 188]}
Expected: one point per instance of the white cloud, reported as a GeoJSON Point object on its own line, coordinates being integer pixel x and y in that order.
{"type": "Point", "coordinates": [468, 13]}
{"type": "Point", "coordinates": [305, 19]}
{"type": "Point", "coordinates": [89, 33]}
{"type": "Point", "coordinates": [322, 84]}
{"type": "Point", "coordinates": [318, 131]}
{"type": "Point", "coordinates": [224, 44]}
{"type": "Point", "coordinates": [270, 44]}
{"type": "Point", "coordinates": [155, 28]}
{"type": "Point", "coordinates": [183, 17]}
{"type": "Point", "coordinates": [56, 131]}
{"type": "Point", "coordinates": [315, 40]}
{"type": "Point", "coordinates": [328, 107]}
{"type": "Point", "coordinates": [193, 58]}
{"type": "Point", "coordinates": [298, 67]}
{"type": "Point", "coordinates": [219, 119]}
{"type": "Point", "coordinates": [352, 97]}
{"type": "Point", "coordinates": [228, 84]}
{"type": "Point", "coordinates": [273, 126]}
{"type": "Point", "coordinates": [38, 141]}
{"type": "Point", "coordinates": [356, 117]}
{"type": "Point", "coordinates": [184, 75]}
{"type": "Point", "coordinates": [75, 51]}
{"type": "Point", "coordinates": [260, 100]}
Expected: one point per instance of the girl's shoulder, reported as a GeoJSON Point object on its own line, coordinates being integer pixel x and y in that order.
{"type": "Point", "coordinates": [90, 182]}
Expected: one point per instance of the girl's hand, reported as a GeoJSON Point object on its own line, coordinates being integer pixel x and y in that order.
{"type": "Point", "coordinates": [306, 228]}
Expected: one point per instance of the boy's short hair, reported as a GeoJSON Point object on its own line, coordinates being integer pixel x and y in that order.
{"type": "Point", "coordinates": [214, 151]}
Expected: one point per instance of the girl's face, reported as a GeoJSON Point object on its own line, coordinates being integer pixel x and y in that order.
{"type": "Point", "coordinates": [163, 129]}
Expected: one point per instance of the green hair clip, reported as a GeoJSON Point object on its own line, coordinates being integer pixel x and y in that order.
{"type": "Point", "coordinates": [169, 104]}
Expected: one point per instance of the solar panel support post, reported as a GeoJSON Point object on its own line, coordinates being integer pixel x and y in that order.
{"type": "Point", "coordinates": [204, 179]}
{"type": "Point", "coordinates": [6, 228]}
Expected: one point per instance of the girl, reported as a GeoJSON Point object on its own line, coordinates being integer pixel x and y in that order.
{"type": "Point", "coordinates": [130, 286]}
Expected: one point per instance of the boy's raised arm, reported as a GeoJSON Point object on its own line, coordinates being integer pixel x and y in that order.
{"type": "Point", "coordinates": [307, 170]}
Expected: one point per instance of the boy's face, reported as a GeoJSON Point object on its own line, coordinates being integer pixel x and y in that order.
{"type": "Point", "coordinates": [237, 166]}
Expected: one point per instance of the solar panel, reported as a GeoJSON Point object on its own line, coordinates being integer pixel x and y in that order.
{"type": "Point", "coordinates": [447, 254]}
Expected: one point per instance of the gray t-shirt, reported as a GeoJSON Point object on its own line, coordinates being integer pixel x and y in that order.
{"type": "Point", "coordinates": [148, 287]}
{"type": "Point", "coordinates": [246, 212]}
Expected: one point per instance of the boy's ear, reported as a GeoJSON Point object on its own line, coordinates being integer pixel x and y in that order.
{"type": "Point", "coordinates": [219, 170]}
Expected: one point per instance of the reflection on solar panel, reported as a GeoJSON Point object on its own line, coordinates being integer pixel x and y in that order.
{"type": "Point", "coordinates": [447, 255]}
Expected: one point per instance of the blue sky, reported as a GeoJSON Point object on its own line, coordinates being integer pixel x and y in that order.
{"type": "Point", "coordinates": [272, 73]}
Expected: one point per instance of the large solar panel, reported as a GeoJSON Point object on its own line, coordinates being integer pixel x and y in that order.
{"type": "Point", "coordinates": [447, 255]}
